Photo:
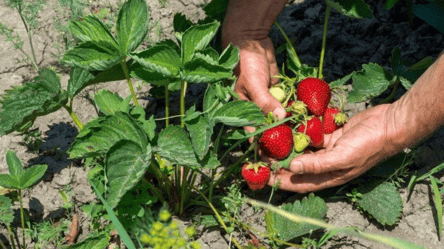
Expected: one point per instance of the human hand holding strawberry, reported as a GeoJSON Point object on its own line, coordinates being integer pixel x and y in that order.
{"type": "Point", "coordinates": [347, 153]}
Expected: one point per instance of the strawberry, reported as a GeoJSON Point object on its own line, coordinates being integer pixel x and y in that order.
{"type": "Point", "coordinates": [301, 141]}
{"type": "Point", "coordinates": [278, 93]}
{"type": "Point", "coordinates": [333, 119]}
{"type": "Point", "coordinates": [315, 93]}
{"type": "Point", "coordinates": [314, 131]}
{"type": "Point", "coordinates": [277, 142]}
{"type": "Point", "coordinates": [256, 174]}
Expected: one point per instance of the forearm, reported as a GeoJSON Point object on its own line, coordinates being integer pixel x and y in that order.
{"type": "Point", "coordinates": [420, 111]}
{"type": "Point", "coordinates": [250, 19]}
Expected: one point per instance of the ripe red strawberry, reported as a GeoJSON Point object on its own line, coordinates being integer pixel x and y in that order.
{"type": "Point", "coordinates": [314, 131]}
{"type": "Point", "coordinates": [256, 175]}
{"type": "Point", "coordinates": [333, 119]}
{"type": "Point", "coordinates": [277, 142]}
{"type": "Point", "coordinates": [315, 93]}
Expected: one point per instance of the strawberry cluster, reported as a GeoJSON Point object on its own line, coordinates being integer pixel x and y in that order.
{"type": "Point", "coordinates": [311, 118]}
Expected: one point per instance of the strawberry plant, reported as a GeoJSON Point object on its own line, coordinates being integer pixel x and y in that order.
{"type": "Point", "coordinates": [137, 161]}
{"type": "Point", "coordinates": [19, 179]}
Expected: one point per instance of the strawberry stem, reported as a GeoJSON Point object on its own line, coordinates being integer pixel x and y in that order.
{"type": "Point", "coordinates": [167, 106]}
{"type": "Point", "coordinates": [324, 41]}
{"type": "Point", "coordinates": [73, 115]}
{"type": "Point", "coordinates": [130, 83]}
{"type": "Point", "coordinates": [293, 50]}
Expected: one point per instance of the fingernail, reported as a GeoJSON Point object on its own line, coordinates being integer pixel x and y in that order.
{"type": "Point", "coordinates": [297, 167]}
{"type": "Point", "coordinates": [279, 112]}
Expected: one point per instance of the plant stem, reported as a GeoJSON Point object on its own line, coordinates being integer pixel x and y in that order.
{"type": "Point", "coordinates": [3, 245]}
{"type": "Point", "coordinates": [183, 89]}
{"type": "Point", "coordinates": [392, 94]}
{"type": "Point", "coordinates": [167, 106]}
{"type": "Point", "coordinates": [11, 237]}
{"type": "Point", "coordinates": [130, 83]}
{"type": "Point", "coordinates": [293, 50]}
{"type": "Point", "coordinates": [220, 219]}
{"type": "Point", "coordinates": [28, 32]}
{"type": "Point", "coordinates": [73, 116]}
{"type": "Point", "coordinates": [324, 41]}
{"type": "Point", "coordinates": [22, 217]}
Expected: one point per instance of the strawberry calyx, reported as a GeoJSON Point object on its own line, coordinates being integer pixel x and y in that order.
{"type": "Point", "coordinates": [340, 118]}
{"type": "Point", "coordinates": [256, 166]}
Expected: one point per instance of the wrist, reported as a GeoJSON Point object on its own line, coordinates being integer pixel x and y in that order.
{"type": "Point", "coordinates": [250, 19]}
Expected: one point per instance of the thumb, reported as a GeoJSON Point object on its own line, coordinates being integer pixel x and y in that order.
{"type": "Point", "coordinates": [267, 102]}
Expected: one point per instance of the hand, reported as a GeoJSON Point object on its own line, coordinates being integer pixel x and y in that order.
{"type": "Point", "coordinates": [257, 66]}
{"type": "Point", "coordinates": [347, 153]}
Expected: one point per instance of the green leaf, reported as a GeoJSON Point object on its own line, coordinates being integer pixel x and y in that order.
{"type": "Point", "coordinates": [132, 25]}
{"type": "Point", "coordinates": [115, 221]}
{"type": "Point", "coordinates": [100, 241]}
{"type": "Point", "coordinates": [313, 207]}
{"type": "Point", "coordinates": [6, 211]}
{"type": "Point", "coordinates": [93, 56]}
{"type": "Point", "coordinates": [229, 57]}
{"type": "Point", "coordinates": [90, 28]}
{"type": "Point", "coordinates": [175, 145]}
{"type": "Point", "coordinates": [438, 204]}
{"type": "Point", "coordinates": [341, 81]}
{"type": "Point", "coordinates": [197, 38]}
{"type": "Point", "coordinates": [215, 97]}
{"type": "Point", "coordinates": [398, 64]}
{"type": "Point", "coordinates": [416, 70]}
{"type": "Point", "coordinates": [126, 163]}
{"type": "Point", "coordinates": [15, 165]}
{"type": "Point", "coordinates": [201, 130]}
{"type": "Point", "coordinates": [7, 181]}
{"type": "Point", "coordinates": [160, 60]}
{"type": "Point", "coordinates": [383, 202]}
{"type": "Point", "coordinates": [31, 176]}
{"type": "Point", "coordinates": [216, 9]}
{"type": "Point", "coordinates": [239, 113]}
{"type": "Point", "coordinates": [22, 104]}
{"type": "Point", "coordinates": [431, 14]}
{"type": "Point", "coordinates": [109, 102]}
{"type": "Point", "coordinates": [99, 135]}
{"type": "Point", "coordinates": [78, 79]}
{"type": "Point", "coordinates": [390, 3]}
{"type": "Point", "coordinates": [370, 82]}
{"type": "Point", "coordinates": [49, 80]}
{"type": "Point", "coordinates": [149, 126]}
{"type": "Point", "coordinates": [201, 71]}
{"type": "Point", "coordinates": [181, 22]}
{"type": "Point", "coordinates": [405, 82]}
{"type": "Point", "coordinates": [209, 55]}
{"type": "Point", "coordinates": [351, 8]}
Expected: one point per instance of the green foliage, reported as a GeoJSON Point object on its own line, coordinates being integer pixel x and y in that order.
{"type": "Point", "coordinates": [21, 105]}
{"type": "Point", "coordinates": [132, 25]}
{"type": "Point", "coordinates": [109, 103]}
{"type": "Point", "coordinates": [431, 13]}
{"type": "Point", "coordinates": [383, 202]}
{"type": "Point", "coordinates": [48, 234]}
{"type": "Point", "coordinates": [99, 241]}
{"type": "Point", "coordinates": [438, 204]}
{"type": "Point", "coordinates": [18, 177]}
{"type": "Point", "coordinates": [313, 207]}
{"type": "Point", "coordinates": [351, 8]}
{"type": "Point", "coordinates": [126, 164]}
{"type": "Point", "coordinates": [99, 135]}
{"type": "Point", "coordinates": [6, 212]}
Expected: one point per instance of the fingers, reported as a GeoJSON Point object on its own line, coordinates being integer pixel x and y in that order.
{"type": "Point", "coordinates": [322, 161]}
{"type": "Point", "coordinates": [309, 183]}
{"type": "Point", "coordinates": [256, 64]}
